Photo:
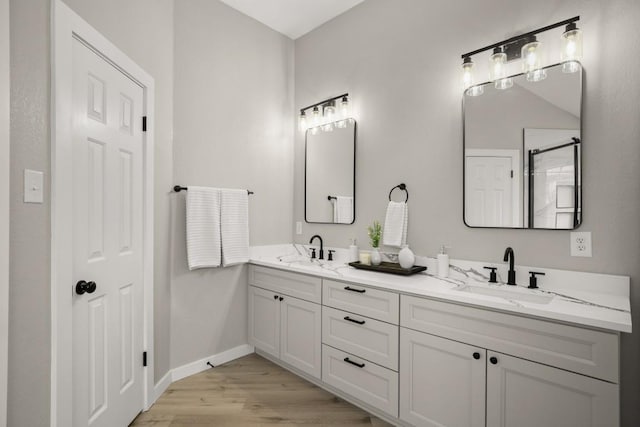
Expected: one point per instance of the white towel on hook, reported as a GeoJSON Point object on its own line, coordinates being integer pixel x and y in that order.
{"type": "Point", "coordinates": [343, 210]}
{"type": "Point", "coordinates": [203, 227]}
{"type": "Point", "coordinates": [395, 224]}
{"type": "Point", "coordinates": [234, 219]}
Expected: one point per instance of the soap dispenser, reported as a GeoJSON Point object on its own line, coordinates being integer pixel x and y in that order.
{"type": "Point", "coordinates": [443, 262]}
{"type": "Point", "coordinates": [353, 251]}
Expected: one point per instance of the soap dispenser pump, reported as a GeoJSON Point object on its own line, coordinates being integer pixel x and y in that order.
{"type": "Point", "coordinates": [443, 262]}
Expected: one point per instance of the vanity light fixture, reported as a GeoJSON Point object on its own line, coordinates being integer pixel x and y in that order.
{"type": "Point", "coordinates": [324, 115]}
{"type": "Point", "coordinates": [527, 48]}
{"type": "Point", "coordinates": [571, 48]}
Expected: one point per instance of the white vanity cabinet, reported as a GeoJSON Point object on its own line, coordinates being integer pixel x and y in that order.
{"type": "Point", "coordinates": [420, 361]}
{"type": "Point", "coordinates": [443, 381]}
{"type": "Point", "coordinates": [283, 326]}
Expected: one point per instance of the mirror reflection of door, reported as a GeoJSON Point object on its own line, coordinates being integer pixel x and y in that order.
{"type": "Point", "coordinates": [492, 182]}
{"type": "Point", "coordinates": [330, 174]}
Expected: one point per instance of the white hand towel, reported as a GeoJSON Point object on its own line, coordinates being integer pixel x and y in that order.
{"type": "Point", "coordinates": [203, 227]}
{"type": "Point", "coordinates": [343, 210]}
{"type": "Point", "coordinates": [234, 218]}
{"type": "Point", "coordinates": [395, 224]}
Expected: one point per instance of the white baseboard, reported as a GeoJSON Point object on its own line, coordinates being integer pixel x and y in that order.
{"type": "Point", "coordinates": [162, 385]}
{"type": "Point", "coordinates": [217, 359]}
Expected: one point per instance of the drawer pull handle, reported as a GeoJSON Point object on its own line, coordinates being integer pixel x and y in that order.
{"type": "Point", "coordinates": [360, 291]}
{"type": "Point", "coordinates": [359, 322]}
{"type": "Point", "coordinates": [359, 365]}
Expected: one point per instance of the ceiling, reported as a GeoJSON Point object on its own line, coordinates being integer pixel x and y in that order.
{"type": "Point", "coordinates": [293, 18]}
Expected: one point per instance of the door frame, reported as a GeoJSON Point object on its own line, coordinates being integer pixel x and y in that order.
{"type": "Point", "coordinates": [66, 26]}
{"type": "Point", "coordinates": [5, 83]}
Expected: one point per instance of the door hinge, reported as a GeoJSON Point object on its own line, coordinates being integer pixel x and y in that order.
{"type": "Point", "coordinates": [144, 358]}
{"type": "Point", "coordinates": [511, 173]}
{"type": "Point", "coordinates": [144, 123]}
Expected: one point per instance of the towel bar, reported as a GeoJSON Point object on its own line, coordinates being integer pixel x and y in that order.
{"type": "Point", "coordinates": [178, 188]}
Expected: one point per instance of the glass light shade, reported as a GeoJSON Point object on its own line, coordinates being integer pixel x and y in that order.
{"type": "Point", "coordinates": [345, 107]}
{"type": "Point", "coordinates": [498, 71]}
{"type": "Point", "coordinates": [467, 74]}
{"type": "Point", "coordinates": [532, 61]}
{"type": "Point", "coordinates": [571, 49]}
{"type": "Point", "coordinates": [315, 121]}
{"type": "Point", "coordinates": [302, 122]}
{"type": "Point", "coordinates": [329, 111]}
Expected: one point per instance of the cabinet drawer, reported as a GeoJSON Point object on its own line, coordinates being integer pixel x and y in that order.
{"type": "Point", "coordinates": [296, 285]}
{"type": "Point", "coordinates": [367, 338]}
{"type": "Point", "coordinates": [586, 351]}
{"type": "Point", "coordinates": [365, 381]}
{"type": "Point", "coordinates": [358, 299]}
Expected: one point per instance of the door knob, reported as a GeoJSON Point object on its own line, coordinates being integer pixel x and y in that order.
{"type": "Point", "coordinates": [85, 287]}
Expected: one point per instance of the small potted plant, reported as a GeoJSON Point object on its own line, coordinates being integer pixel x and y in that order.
{"type": "Point", "coordinates": [375, 231]}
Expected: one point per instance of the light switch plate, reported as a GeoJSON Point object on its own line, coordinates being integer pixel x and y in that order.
{"type": "Point", "coordinates": [581, 244]}
{"type": "Point", "coordinates": [299, 227]}
{"type": "Point", "coordinates": [33, 186]}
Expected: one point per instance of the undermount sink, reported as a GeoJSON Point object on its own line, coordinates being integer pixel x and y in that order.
{"type": "Point", "coordinates": [302, 261]}
{"type": "Point", "coordinates": [507, 294]}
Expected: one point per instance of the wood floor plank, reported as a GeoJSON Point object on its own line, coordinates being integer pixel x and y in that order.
{"type": "Point", "coordinates": [251, 391]}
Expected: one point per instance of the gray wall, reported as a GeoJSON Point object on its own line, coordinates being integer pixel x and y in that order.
{"type": "Point", "coordinates": [4, 204]}
{"type": "Point", "coordinates": [143, 30]}
{"type": "Point", "coordinates": [233, 128]}
{"type": "Point", "coordinates": [400, 61]}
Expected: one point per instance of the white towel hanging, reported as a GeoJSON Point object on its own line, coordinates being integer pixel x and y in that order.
{"type": "Point", "coordinates": [395, 224]}
{"type": "Point", "coordinates": [203, 227]}
{"type": "Point", "coordinates": [234, 224]}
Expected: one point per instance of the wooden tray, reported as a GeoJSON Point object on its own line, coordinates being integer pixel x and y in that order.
{"type": "Point", "coordinates": [388, 267]}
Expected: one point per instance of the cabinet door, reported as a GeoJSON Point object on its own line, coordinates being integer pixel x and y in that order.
{"type": "Point", "coordinates": [442, 383]}
{"type": "Point", "coordinates": [527, 394]}
{"type": "Point", "coordinates": [264, 320]}
{"type": "Point", "coordinates": [300, 335]}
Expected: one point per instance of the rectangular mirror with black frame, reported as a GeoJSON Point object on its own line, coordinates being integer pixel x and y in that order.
{"type": "Point", "coordinates": [522, 153]}
{"type": "Point", "coordinates": [330, 189]}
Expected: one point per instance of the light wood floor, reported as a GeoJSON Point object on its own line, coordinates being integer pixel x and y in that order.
{"type": "Point", "coordinates": [251, 391]}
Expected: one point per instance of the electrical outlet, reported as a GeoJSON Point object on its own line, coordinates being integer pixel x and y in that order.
{"type": "Point", "coordinates": [581, 244]}
{"type": "Point", "coordinates": [299, 227]}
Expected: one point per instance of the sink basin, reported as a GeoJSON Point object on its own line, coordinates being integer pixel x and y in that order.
{"type": "Point", "coordinates": [524, 296]}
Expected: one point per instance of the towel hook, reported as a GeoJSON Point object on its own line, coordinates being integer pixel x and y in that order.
{"type": "Point", "coordinates": [402, 187]}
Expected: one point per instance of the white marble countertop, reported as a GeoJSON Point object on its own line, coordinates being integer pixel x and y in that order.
{"type": "Point", "coordinates": [585, 299]}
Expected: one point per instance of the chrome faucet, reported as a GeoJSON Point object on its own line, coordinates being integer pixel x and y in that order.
{"type": "Point", "coordinates": [321, 254]}
{"type": "Point", "coordinates": [509, 256]}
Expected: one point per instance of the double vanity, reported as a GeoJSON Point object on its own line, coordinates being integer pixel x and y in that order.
{"type": "Point", "coordinates": [456, 351]}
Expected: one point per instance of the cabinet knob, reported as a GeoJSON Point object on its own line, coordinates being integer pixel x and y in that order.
{"type": "Point", "coordinates": [476, 355]}
{"type": "Point", "coordinates": [281, 298]}
{"type": "Point", "coordinates": [275, 297]}
{"type": "Point", "coordinates": [493, 360]}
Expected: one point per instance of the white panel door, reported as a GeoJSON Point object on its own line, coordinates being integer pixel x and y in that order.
{"type": "Point", "coordinates": [489, 191]}
{"type": "Point", "coordinates": [527, 394]}
{"type": "Point", "coordinates": [107, 243]}
{"type": "Point", "coordinates": [442, 382]}
{"type": "Point", "coordinates": [264, 320]}
{"type": "Point", "coordinates": [300, 335]}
